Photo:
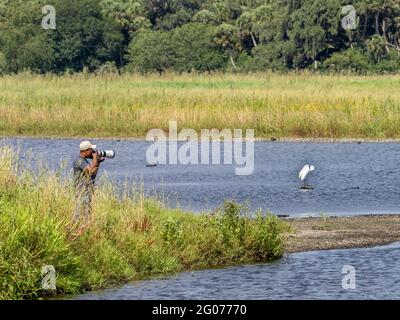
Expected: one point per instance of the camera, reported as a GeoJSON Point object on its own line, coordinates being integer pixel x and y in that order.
{"type": "Point", "coordinates": [106, 153]}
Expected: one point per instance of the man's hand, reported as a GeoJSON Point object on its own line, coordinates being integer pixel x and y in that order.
{"type": "Point", "coordinates": [94, 166]}
{"type": "Point", "coordinates": [98, 159]}
{"type": "Point", "coordinates": [95, 156]}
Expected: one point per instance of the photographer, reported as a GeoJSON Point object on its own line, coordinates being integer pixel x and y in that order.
{"type": "Point", "coordinates": [85, 173]}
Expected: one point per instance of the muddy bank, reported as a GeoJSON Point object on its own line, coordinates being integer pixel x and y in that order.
{"type": "Point", "coordinates": [343, 232]}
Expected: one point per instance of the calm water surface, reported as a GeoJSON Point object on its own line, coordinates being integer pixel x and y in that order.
{"type": "Point", "coordinates": [349, 178]}
{"type": "Point", "coordinates": [308, 275]}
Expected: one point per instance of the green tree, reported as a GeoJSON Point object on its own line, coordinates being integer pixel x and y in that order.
{"type": "Point", "coordinates": [249, 34]}
{"type": "Point", "coordinates": [227, 36]}
{"type": "Point", "coordinates": [314, 29]}
{"type": "Point", "coordinates": [246, 24]}
{"type": "Point", "coordinates": [169, 14]}
{"type": "Point", "coordinates": [264, 22]}
{"type": "Point", "coordinates": [23, 42]}
{"type": "Point", "coordinates": [34, 54]}
{"type": "Point", "coordinates": [151, 51]}
{"type": "Point", "coordinates": [377, 47]}
{"type": "Point", "coordinates": [205, 16]}
{"type": "Point", "coordinates": [195, 49]}
{"type": "Point", "coordinates": [130, 15]}
{"type": "Point", "coordinates": [84, 37]}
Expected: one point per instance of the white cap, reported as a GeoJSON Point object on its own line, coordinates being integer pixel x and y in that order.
{"type": "Point", "coordinates": [85, 145]}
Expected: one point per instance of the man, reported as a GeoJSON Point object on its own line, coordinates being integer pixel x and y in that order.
{"type": "Point", "coordinates": [84, 178]}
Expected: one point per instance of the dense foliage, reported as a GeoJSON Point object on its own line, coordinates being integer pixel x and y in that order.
{"type": "Point", "coordinates": [200, 35]}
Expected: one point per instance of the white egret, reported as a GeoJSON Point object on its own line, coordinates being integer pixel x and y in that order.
{"type": "Point", "coordinates": [303, 175]}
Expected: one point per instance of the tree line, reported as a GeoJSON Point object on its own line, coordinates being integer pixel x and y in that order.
{"type": "Point", "coordinates": [199, 35]}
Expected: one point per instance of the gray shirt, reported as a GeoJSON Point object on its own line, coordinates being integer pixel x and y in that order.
{"type": "Point", "coordinates": [83, 181]}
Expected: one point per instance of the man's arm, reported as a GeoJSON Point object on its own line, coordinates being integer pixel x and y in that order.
{"type": "Point", "coordinates": [94, 166]}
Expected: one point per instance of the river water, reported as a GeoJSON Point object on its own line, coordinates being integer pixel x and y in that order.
{"type": "Point", "coordinates": [349, 178]}
{"type": "Point", "coordinates": [307, 275]}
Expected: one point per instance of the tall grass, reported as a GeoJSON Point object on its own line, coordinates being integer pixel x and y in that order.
{"type": "Point", "coordinates": [126, 237]}
{"type": "Point", "coordinates": [292, 105]}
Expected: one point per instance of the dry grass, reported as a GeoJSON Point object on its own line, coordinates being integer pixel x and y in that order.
{"type": "Point", "coordinates": [293, 105]}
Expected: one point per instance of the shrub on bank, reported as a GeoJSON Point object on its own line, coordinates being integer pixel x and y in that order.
{"type": "Point", "coordinates": [127, 236]}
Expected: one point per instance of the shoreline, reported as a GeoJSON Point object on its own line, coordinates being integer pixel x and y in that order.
{"type": "Point", "coordinates": [328, 233]}
{"type": "Point", "coordinates": [271, 140]}
{"type": "Point", "coordinates": [310, 236]}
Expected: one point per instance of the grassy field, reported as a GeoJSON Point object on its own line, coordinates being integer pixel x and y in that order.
{"type": "Point", "coordinates": [302, 105]}
{"type": "Point", "coordinates": [127, 237]}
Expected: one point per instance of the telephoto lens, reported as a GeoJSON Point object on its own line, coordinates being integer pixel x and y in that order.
{"type": "Point", "coordinates": [106, 153]}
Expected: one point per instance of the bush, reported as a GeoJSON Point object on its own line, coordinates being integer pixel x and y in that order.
{"type": "Point", "coordinates": [350, 60]}
{"type": "Point", "coordinates": [261, 237]}
{"type": "Point", "coordinates": [108, 68]}
{"type": "Point", "coordinates": [263, 58]}
{"type": "Point", "coordinates": [390, 64]}
{"type": "Point", "coordinates": [266, 237]}
{"type": "Point", "coordinates": [230, 221]}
